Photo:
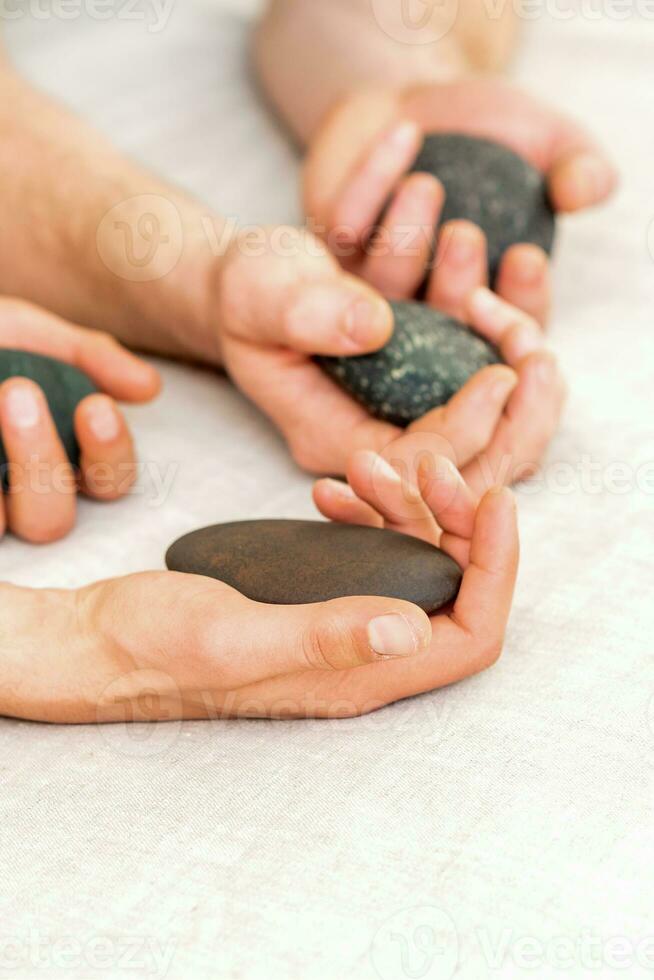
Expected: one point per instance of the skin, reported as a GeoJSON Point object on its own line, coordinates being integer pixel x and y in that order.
{"type": "Point", "coordinates": [375, 92]}
{"type": "Point", "coordinates": [41, 502]}
{"type": "Point", "coordinates": [260, 312]}
{"type": "Point", "coordinates": [160, 646]}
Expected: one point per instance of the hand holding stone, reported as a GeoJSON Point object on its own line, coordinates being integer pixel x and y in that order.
{"type": "Point", "coordinates": [164, 645]}
{"type": "Point", "coordinates": [277, 309]}
{"type": "Point", "coordinates": [53, 417]}
{"type": "Point", "coordinates": [359, 166]}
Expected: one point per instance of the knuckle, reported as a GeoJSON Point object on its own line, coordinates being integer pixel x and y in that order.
{"type": "Point", "coordinates": [306, 456]}
{"type": "Point", "coordinates": [490, 652]}
{"type": "Point", "coordinates": [329, 644]}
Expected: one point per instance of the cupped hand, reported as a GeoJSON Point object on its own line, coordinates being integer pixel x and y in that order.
{"type": "Point", "coordinates": [357, 168]}
{"type": "Point", "coordinates": [163, 646]}
{"type": "Point", "coordinates": [40, 504]}
{"type": "Point", "coordinates": [280, 307]}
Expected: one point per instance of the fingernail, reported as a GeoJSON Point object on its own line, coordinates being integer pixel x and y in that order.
{"type": "Point", "coordinates": [458, 246]}
{"type": "Point", "coordinates": [363, 321]}
{"type": "Point", "coordinates": [502, 386]}
{"type": "Point", "coordinates": [595, 174]}
{"type": "Point", "coordinates": [524, 340]}
{"type": "Point", "coordinates": [343, 490]}
{"type": "Point", "coordinates": [103, 420]}
{"type": "Point", "coordinates": [383, 469]}
{"type": "Point", "coordinates": [23, 405]}
{"type": "Point", "coordinates": [403, 134]}
{"type": "Point", "coordinates": [484, 303]}
{"type": "Point", "coordinates": [531, 266]}
{"type": "Point", "coordinates": [392, 636]}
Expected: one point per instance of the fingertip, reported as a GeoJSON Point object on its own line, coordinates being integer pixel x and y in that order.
{"type": "Point", "coordinates": [97, 418]}
{"type": "Point", "coordinates": [402, 631]}
{"type": "Point", "coordinates": [344, 318]}
{"type": "Point", "coordinates": [581, 180]}
{"type": "Point", "coordinates": [498, 511]}
{"type": "Point", "coordinates": [524, 265]}
{"type": "Point", "coordinates": [542, 366]}
{"type": "Point", "coordinates": [460, 243]}
{"type": "Point", "coordinates": [22, 403]}
{"type": "Point", "coordinates": [329, 496]}
{"type": "Point", "coordinates": [368, 323]}
{"type": "Point", "coordinates": [142, 381]}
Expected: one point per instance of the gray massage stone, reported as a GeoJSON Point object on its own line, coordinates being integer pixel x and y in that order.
{"type": "Point", "coordinates": [427, 360]}
{"type": "Point", "coordinates": [493, 187]}
{"type": "Point", "coordinates": [296, 562]}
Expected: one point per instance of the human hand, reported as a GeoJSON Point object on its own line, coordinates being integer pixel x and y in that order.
{"type": "Point", "coordinates": [275, 311]}
{"type": "Point", "coordinates": [163, 645]}
{"type": "Point", "coordinates": [40, 504]}
{"type": "Point", "coordinates": [358, 163]}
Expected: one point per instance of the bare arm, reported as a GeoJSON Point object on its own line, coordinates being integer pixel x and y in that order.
{"type": "Point", "coordinates": [309, 54]}
{"type": "Point", "coordinates": [95, 238]}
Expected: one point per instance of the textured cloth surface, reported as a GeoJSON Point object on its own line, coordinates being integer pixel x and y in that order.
{"type": "Point", "coordinates": [509, 818]}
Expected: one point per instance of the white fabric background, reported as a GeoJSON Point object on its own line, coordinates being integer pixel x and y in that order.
{"type": "Point", "coordinates": [516, 806]}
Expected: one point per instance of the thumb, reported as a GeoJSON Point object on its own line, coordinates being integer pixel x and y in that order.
{"type": "Point", "coordinates": [209, 637]}
{"type": "Point", "coordinates": [296, 296]}
{"type": "Point", "coordinates": [336, 635]}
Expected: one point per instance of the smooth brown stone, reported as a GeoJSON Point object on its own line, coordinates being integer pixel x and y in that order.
{"type": "Point", "coordinates": [296, 562]}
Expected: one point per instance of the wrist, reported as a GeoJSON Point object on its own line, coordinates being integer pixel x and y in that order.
{"type": "Point", "coordinates": [39, 641]}
{"type": "Point", "coordinates": [163, 252]}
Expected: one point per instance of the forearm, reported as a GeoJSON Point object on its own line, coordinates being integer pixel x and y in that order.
{"type": "Point", "coordinates": [95, 238]}
{"type": "Point", "coordinates": [310, 53]}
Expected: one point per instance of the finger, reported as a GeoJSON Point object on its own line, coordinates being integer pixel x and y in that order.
{"type": "Point", "coordinates": [299, 397]}
{"type": "Point", "coordinates": [338, 502]}
{"type": "Point", "coordinates": [231, 640]}
{"type": "Point", "coordinates": [107, 462]}
{"type": "Point", "coordinates": [40, 504]}
{"type": "Point", "coordinates": [421, 495]}
{"type": "Point", "coordinates": [390, 488]}
{"type": "Point", "coordinates": [349, 129]}
{"type": "Point", "coordinates": [3, 518]}
{"type": "Point", "coordinates": [580, 178]}
{"type": "Point", "coordinates": [524, 432]}
{"type": "Point", "coordinates": [453, 505]}
{"type": "Point", "coordinates": [514, 332]}
{"type": "Point", "coordinates": [524, 280]}
{"type": "Point", "coordinates": [109, 365]}
{"type": "Point", "coordinates": [461, 265]}
{"type": "Point", "coordinates": [399, 253]}
{"type": "Point", "coordinates": [467, 423]}
{"type": "Point", "coordinates": [301, 300]}
{"type": "Point", "coordinates": [482, 607]}
{"type": "Point", "coordinates": [463, 643]}
{"type": "Point", "coordinates": [361, 198]}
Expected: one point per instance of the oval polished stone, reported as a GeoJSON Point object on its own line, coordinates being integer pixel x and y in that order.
{"type": "Point", "coordinates": [492, 186]}
{"type": "Point", "coordinates": [427, 360]}
{"type": "Point", "coordinates": [294, 562]}
{"type": "Point", "coordinates": [63, 386]}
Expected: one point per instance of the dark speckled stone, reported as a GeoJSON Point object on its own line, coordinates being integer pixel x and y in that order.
{"type": "Point", "coordinates": [63, 386]}
{"type": "Point", "coordinates": [427, 360]}
{"type": "Point", "coordinates": [493, 187]}
{"type": "Point", "coordinates": [295, 562]}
